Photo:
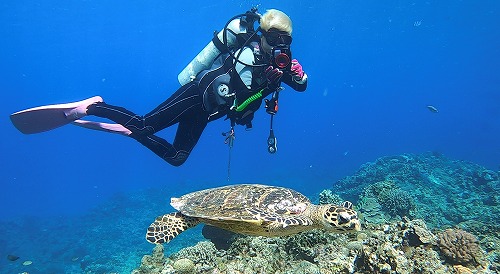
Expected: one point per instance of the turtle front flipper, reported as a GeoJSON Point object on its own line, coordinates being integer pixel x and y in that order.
{"type": "Point", "coordinates": [281, 224]}
{"type": "Point", "coordinates": [168, 226]}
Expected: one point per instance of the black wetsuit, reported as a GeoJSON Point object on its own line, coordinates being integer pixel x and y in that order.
{"type": "Point", "coordinates": [184, 107]}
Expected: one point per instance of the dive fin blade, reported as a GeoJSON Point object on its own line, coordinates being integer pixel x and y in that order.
{"type": "Point", "coordinates": [45, 118]}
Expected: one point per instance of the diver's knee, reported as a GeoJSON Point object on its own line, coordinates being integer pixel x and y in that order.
{"type": "Point", "coordinates": [179, 158]}
{"type": "Point", "coordinates": [139, 134]}
{"type": "Point", "coordinates": [138, 126]}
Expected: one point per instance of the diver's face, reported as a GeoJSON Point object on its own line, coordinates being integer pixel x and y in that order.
{"type": "Point", "coordinates": [275, 38]}
{"type": "Point", "coordinates": [265, 46]}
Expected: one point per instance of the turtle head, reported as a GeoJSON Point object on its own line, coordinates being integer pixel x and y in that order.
{"type": "Point", "coordinates": [339, 218]}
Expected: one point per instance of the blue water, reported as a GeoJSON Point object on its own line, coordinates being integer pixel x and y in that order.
{"type": "Point", "coordinates": [373, 68]}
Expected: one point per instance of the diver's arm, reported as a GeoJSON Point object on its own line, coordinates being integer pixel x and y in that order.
{"type": "Point", "coordinates": [288, 79]}
{"type": "Point", "coordinates": [293, 83]}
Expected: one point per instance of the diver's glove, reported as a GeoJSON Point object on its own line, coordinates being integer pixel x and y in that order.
{"type": "Point", "coordinates": [296, 69]}
{"type": "Point", "coordinates": [273, 76]}
{"type": "Point", "coordinates": [298, 74]}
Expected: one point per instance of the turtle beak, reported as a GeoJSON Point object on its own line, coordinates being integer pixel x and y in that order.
{"type": "Point", "coordinates": [349, 221]}
{"type": "Point", "coordinates": [355, 225]}
{"type": "Point", "coordinates": [344, 218]}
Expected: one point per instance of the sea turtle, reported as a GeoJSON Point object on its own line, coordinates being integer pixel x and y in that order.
{"type": "Point", "coordinates": [251, 209]}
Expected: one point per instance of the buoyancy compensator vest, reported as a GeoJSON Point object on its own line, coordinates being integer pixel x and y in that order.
{"type": "Point", "coordinates": [218, 79]}
{"type": "Point", "coordinates": [215, 85]}
{"type": "Point", "coordinates": [237, 31]}
{"type": "Point", "coordinates": [223, 88]}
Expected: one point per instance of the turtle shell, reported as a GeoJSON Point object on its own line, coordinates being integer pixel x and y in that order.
{"type": "Point", "coordinates": [237, 202]}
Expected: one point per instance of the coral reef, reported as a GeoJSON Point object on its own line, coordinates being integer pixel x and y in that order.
{"type": "Point", "coordinates": [448, 192]}
{"type": "Point", "coordinates": [382, 201]}
{"type": "Point", "coordinates": [397, 202]}
{"type": "Point", "coordinates": [204, 255]}
{"type": "Point", "coordinates": [407, 202]}
{"type": "Point", "coordinates": [444, 193]}
{"type": "Point", "coordinates": [401, 247]}
{"type": "Point", "coordinates": [460, 247]}
{"type": "Point", "coordinates": [406, 246]}
{"type": "Point", "coordinates": [328, 197]}
{"type": "Point", "coordinates": [151, 263]}
{"type": "Point", "coordinates": [184, 266]}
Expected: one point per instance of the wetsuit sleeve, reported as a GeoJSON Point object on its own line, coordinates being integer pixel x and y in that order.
{"type": "Point", "coordinates": [288, 79]}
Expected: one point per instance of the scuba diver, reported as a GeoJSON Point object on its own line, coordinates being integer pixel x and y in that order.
{"type": "Point", "coordinates": [229, 78]}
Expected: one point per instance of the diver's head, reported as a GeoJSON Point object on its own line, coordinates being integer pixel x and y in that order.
{"type": "Point", "coordinates": [276, 19]}
{"type": "Point", "coordinates": [276, 29]}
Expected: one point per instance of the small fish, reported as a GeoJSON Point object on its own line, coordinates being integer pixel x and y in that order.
{"type": "Point", "coordinates": [432, 108]}
{"type": "Point", "coordinates": [12, 258]}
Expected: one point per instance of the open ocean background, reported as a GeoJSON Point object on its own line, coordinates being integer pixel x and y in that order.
{"type": "Point", "coordinates": [373, 68]}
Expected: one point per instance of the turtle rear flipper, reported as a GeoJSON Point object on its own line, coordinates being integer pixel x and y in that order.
{"type": "Point", "coordinates": [168, 226]}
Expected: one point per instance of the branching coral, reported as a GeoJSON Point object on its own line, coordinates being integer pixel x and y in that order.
{"type": "Point", "coordinates": [394, 200]}
{"type": "Point", "coordinates": [397, 202]}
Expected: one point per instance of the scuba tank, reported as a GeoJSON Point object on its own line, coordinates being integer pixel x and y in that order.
{"type": "Point", "coordinates": [221, 43]}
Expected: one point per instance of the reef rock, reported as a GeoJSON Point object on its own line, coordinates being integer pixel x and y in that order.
{"type": "Point", "coordinates": [406, 246]}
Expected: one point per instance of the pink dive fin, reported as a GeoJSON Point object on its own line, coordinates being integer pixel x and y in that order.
{"type": "Point", "coordinates": [112, 128]}
{"type": "Point", "coordinates": [44, 118]}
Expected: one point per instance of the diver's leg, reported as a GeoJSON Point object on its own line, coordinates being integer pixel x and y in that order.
{"type": "Point", "coordinates": [106, 127]}
{"type": "Point", "coordinates": [160, 147]}
{"type": "Point", "coordinates": [166, 114]}
{"type": "Point", "coordinates": [185, 100]}
{"type": "Point", "coordinates": [190, 130]}
{"type": "Point", "coordinates": [188, 133]}
{"type": "Point", "coordinates": [185, 107]}
{"type": "Point", "coordinates": [118, 115]}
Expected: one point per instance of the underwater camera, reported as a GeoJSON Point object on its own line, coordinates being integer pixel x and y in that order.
{"type": "Point", "coordinates": [282, 58]}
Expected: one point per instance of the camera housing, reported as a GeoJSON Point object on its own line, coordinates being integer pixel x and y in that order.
{"type": "Point", "coordinates": [282, 58]}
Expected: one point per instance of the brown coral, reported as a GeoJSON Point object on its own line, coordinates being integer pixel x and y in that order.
{"type": "Point", "coordinates": [460, 247]}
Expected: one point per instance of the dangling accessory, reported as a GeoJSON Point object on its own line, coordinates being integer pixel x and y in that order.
{"type": "Point", "coordinates": [230, 136]}
{"type": "Point", "coordinates": [272, 105]}
{"type": "Point", "coordinates": [272, 142]}
{"type": "Point", "coordinates": [272, 109]}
